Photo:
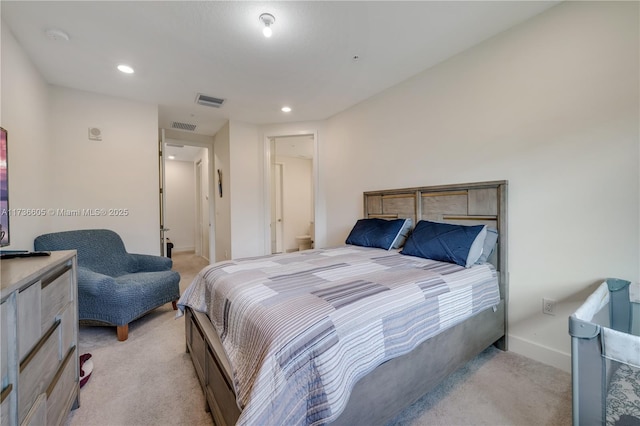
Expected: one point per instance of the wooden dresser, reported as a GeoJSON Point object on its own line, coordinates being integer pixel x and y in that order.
{"type": "Point", "coordinates": [39, 339]}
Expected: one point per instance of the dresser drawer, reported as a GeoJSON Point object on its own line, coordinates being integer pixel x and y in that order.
{"type": "Point", "coordinates": [67, 329]}
{"type": "Point", "coordinates": [61, 390]}
{"type": "Point", "coordinates": [56, 293]}
{"type": "Point", "coordinates": [37, 415]}
{"type": "Point", "coordinates": [5, 404]}
{"type": "Point", "coordinates": [39, 364]}
{"type": "Point", "coordinates": [4, 345]}
{"type": "Point", "coordinates": [4, 339]}
{"type": "Point", "coordinates": [29, 318]}
{"type": "Point", "coordinates": [38, 368]}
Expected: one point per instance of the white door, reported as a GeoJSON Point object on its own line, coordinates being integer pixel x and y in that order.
{"type": "Point", "coordinates": [162, 195]}
{"type": "Point", "coordinates": [198, 236]}
{"type": "Point", "coordinates": [277, 223]}
{"type": "Point", "coordinates": [279, 208]}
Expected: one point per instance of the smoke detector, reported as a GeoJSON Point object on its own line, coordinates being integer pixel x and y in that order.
{"type": "Point", "coordinates": [95, 134]}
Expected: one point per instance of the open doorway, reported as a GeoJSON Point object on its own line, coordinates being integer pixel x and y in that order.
{"type": "Point", "coordinates": [186, 198]}
{"type": "Point", "coordinates": [292, 200]}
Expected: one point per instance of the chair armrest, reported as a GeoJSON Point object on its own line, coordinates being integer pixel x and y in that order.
{"type": "Point", "coordinates": [150, 263]}
{"type": "Point", "coordinates": [92, 282]}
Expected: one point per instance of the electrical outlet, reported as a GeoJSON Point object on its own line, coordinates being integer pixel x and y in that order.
{"type": "Point", "coordinates": [548, 306]}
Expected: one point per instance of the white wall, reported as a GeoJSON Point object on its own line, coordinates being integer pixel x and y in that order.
{"type": "Point", "coordinates": [553, 107]}
{"type": "Point", "coordinates": [246, 190]}
{"type": "Point", "coordinates": [119, 172]}
{"type": "Point", "coordinates": [205, 180]}
{"type": "Point", "coordinates": [25, 115]}
{"type": "Point", "coordinates": [53, 165]}
{"type": "Point", "coordinates": [180, 203]}
{"type": "Point", "coordinates": [222, 203]}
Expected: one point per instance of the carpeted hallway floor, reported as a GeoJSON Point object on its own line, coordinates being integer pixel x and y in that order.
{"type": "Point", "coordinates": [149, 380]}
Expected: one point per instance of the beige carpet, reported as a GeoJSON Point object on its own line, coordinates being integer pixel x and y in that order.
{"type": "Point", "coordinates": [496, 388]}
{"type": "Point", "coordinates": [149, 380]}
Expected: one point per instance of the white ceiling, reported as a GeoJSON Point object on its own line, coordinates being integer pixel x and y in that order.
{"type": "Point", "coordinates": [181, 151]}
{"type": "Point", "coordinates": [182, 48]}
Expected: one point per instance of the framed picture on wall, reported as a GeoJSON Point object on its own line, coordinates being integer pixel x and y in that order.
{"type": "Point", "coordinates": [4, 189]}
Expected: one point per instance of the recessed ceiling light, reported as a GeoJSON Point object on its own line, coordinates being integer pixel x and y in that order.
{"type": "Point", "coordinates": [125, 69]}
{"type": "Point", "coordinates": [286, 109]}
{"type": "Point", "coordinates": [171, 157]}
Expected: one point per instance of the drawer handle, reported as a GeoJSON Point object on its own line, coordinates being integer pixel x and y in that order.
{"type": "Point", "coordinates": [40, 344]}
{"type": "Point", "coordinates": [54, 382]}
{"type": "Point", "coordinates": [54, 276]}
{"type": "Point", "coordinates": [5, 392]}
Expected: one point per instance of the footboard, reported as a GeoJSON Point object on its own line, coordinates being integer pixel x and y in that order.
{"type": "Point", "coordinates": [377, 397]}
{"type": "Point", "coordinates": [213, 371]}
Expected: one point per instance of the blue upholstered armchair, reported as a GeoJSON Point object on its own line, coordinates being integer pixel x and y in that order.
{"type": "Point", "coordinates": [114, 287]}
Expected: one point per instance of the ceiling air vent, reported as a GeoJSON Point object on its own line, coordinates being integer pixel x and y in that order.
{"type": "Point", "coordinates": [183, 126]}
{"type": "Point", "coordinates": [209, 101]}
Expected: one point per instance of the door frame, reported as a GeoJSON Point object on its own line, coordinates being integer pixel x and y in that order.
{"type": "Point", "coordinates": [212, 187]}
{"type": "Point", "coordinates": [267, 181]}
{"type": "Point", "coordinates": [161, 191]}
{"type": "Point", "coordinates": [277, 240]}
{"type": "Point", "coordinates": [199, 222]}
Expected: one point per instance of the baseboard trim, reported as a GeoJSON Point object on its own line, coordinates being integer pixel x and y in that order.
{"type": "Point", "coordinates": [183, 250]}
{"type": "Point", "coordinates": [541, 353]}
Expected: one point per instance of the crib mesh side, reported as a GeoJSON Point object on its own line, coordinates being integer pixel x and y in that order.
{"type": "Point", "coordinates": [622, 402]}
{"type": "Point", "coordinates": [621, 357]}
{"type": "Point", "coordinates": [606, 356]}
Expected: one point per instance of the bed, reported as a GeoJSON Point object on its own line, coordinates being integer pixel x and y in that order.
{"type": "Point", "coordinates": [605, 356]}
{"type": "Point", "coordinates": [327, 370]}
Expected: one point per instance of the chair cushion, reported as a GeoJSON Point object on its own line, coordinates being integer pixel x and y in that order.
{"type": "Point", "coordinates": [128, 297]}
{"type": "Point", "coordinates": [100, 250]}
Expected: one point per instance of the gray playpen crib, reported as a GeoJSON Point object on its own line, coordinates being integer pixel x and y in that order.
{"type": "Point", "coordinates": [605, 356]}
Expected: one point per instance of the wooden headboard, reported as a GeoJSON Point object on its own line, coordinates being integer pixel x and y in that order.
{"type": "Point", "coordinates": [479, 203]}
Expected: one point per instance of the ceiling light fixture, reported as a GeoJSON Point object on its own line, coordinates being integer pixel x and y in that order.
{"type": "Point", "coordinates": [267, 19]}
{"type": "Point", "coordinates": [286, 109]}
{"type": "Point", "coordinates": [125, 69]}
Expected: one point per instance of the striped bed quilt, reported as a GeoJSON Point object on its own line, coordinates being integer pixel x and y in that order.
{"type": "Point", "coordinates": [301, 329]}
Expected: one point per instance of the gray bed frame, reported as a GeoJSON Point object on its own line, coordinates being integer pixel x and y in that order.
{"type": "Point", "coordinates": [397, 383]}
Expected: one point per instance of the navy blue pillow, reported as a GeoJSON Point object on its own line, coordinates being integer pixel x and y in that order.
{"type": "Point", "coordinates": [446, 242]}
{"type": "Point", "coordinates": [380, 233]}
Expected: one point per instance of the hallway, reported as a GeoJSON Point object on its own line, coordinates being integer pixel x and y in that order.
{"type": "Point", "coordinates": [188, 264]}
